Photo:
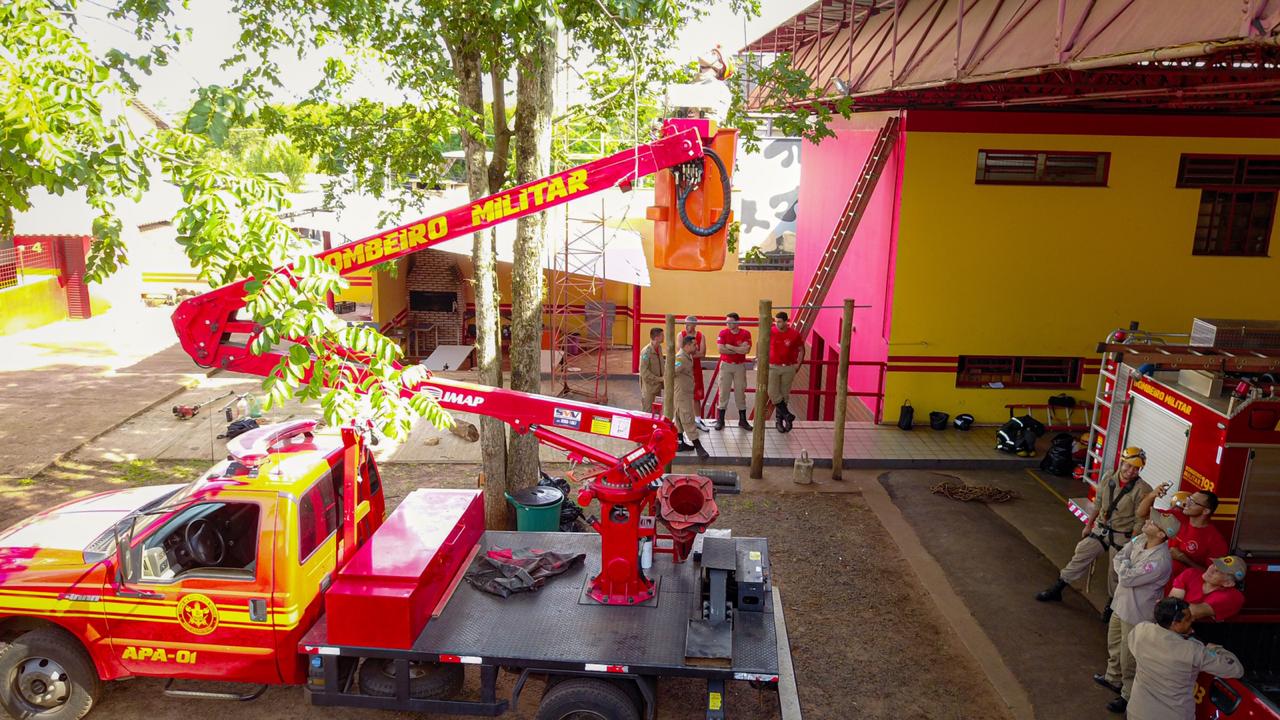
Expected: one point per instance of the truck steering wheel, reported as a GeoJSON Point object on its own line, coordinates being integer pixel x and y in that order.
{"type": "Point", "coordinates": [204, 542]}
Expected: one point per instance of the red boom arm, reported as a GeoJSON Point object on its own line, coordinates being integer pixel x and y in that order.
{"type": "Point", "coordinates": [206, 324]}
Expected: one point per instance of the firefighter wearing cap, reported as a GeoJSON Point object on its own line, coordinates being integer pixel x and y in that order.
{"type": "Point", "coordinates": [684, 404]}
{"type": "Point", "coordinates": [1109, 527]}
{"type": "Point", "coordinates": [1199, 542]}
{"type": "Point", "coordinates": [1170, 662]}
{"type": "Point", "coordinates": [699, 352]}
{"type": "Point", "coordinates": [1142, 568]}
{"type": "Point", "coordinates": [1214, 594]}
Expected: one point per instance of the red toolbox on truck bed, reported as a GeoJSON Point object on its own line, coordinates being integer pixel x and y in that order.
{"type": "Point", "coordinates": [384, 596]}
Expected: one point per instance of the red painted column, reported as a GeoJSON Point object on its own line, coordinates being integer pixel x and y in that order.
{"type": "Point", "coordinates": [816, 353]}
{"type": "Point", "coordinates": [635, 329]}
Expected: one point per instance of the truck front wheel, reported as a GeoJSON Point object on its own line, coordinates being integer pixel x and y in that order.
{"type": "Point", "coordinates": [46, 675]}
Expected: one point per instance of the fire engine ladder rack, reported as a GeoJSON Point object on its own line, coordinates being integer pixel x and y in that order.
{"type": "Point", "coordinates": [1126, 357]}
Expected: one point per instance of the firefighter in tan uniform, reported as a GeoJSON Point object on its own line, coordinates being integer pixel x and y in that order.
{"type": "Point", "coordinates": [1169, 662]}
{"type": "Point", "coordinates": [651, 369]}
{"type": "Point", "coordinates": [685, 404]}
{"type": "Point", "coordinates": [1113, 523]}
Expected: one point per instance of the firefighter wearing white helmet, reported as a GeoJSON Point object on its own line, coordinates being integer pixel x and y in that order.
{"type": "Point", "coordinates": [1111, 524]}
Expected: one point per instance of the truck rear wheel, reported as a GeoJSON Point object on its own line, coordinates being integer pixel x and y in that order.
{"type": "Point", "coordinates": [587, 699]}
{"type": "Point", "coordinates": [46, 674]}
{"type": "Point", "coordinates": [427, 681]}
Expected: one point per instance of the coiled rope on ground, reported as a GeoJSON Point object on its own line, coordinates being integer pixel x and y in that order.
{"type": "Point", "coordinates": [978, 493]}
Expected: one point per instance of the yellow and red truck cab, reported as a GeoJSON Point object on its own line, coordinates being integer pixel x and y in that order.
{"type": "Point", "coordinates": [220, 577]}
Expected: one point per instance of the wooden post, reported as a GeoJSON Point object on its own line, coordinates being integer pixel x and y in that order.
{"type": "Point", "coordinates": [762, 389]}
{"type": "Point", "coordinates": [842, 390]}
{"type": "Point", "coordinates": [669, 372]}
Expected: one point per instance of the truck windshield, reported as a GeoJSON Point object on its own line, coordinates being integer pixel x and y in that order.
{"type": "Point", "coordinates": [104, 544]}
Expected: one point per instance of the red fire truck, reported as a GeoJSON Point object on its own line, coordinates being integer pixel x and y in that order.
{"type": "Point", "coordinates": [1204, 406]}
{"type": "Point", "coordinates": [278, 567]}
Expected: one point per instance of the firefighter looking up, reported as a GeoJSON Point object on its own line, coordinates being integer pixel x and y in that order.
{"type": "Point", "coordinates": [1169, 661]}
{"type": "Point", "coordinates": [684, 402]}
{"type": "Point", "coordinates": [786, 352]}
{"type": "Point", "coordinates": [1142, 569]}
{"type": "Point", "coordinates": [1113, 522]}
{"type": "Point", "coordinates": [734, 343]}
{"type": "Point", "coordinates": [1214, 595]}
{"type": "Point", "coordinates": [1199, 541]}
{"type": "Point", "coordinates": [651, 366]}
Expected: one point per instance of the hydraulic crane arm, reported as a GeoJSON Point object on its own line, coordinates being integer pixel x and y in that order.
{"type": "Point", "coordinates": [213, 334]}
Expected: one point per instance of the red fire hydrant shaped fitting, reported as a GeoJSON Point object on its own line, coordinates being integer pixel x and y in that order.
{"type": "Point", "coordinates": [686, 506]}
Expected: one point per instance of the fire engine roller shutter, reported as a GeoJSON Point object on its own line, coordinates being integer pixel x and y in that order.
{"type": "Point", "coordinates": [1164, 436]}
{"type": "Point", "coordinates": [1258, 524]}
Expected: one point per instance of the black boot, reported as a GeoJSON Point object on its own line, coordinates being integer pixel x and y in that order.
{"type": "Point", "coordinates": [1053, 594]}
{"type": "Point", "coordinates": [1118, 706]}
{"type": "Point", "coordinates": [779, 420]}
{"type": "Point", "coordinates": [683, 446]}
{"type": "Point", "coordinates": [1106, 613]}
{"type": "Point", "coordinates": [742, 420]}
{"type": "Point", "coordinates": [720, 419]}
{"type": "Point", "coordinates": [702, 452]}
{"type": "Point", "coordinates": [785, 418]}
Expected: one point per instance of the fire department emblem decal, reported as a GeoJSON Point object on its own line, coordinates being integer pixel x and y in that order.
{"type": "Point", "coordinates": [197, 614]}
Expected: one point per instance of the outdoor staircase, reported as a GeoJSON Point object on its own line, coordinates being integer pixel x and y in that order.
{"type": "Point", "coordinates": [842, 237]}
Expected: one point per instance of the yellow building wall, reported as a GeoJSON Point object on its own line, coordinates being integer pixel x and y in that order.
{"type": "Point", "coordinates": [1027, 270]}
{"type": "Point", "coordinates": [727, 290]}
{"type": "Point", "coordinates": [361, 289]}
{"type": "Point", "coordinates": [32, 304]}
{"type": "Point", "coordinates": [388, 293]}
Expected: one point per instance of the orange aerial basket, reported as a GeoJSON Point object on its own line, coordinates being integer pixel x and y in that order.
{"type": "Point", "coordinates": [691, 212]}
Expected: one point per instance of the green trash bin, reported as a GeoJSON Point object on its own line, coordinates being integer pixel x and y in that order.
{"type": "Point", "coordinates": [537, 508]}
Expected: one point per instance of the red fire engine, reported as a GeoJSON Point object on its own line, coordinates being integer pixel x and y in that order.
{"type": "Point", "coordinates": [1204, 407]}
{"type": "Point", "coordinates": [278, 567]}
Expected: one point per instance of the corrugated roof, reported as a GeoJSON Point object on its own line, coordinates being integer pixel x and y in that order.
{"type": "Point", "coordinates": [907, 53]}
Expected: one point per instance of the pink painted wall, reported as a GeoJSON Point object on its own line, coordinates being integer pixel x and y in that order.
{"type": "Point", "coordinates": [828, 172]}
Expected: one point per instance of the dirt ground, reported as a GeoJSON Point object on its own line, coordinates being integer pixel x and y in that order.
{"type": "Point", "coordinates": [866, 639]}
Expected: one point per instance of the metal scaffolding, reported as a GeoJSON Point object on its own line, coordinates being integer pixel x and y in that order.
{"type": "Point", "coordinates": [581, 314]}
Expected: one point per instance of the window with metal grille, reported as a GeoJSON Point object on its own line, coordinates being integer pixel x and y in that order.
{"type": "Point", "coordinates": [1235, 222]}
{"type": "Point", "coordinates": [1018, 372]}
{"type": "Point", "coordinates": [1038, 167]}
{"type": "Point", "coordinates": [1229, 171]}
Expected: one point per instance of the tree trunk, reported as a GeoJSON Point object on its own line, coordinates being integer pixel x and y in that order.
{"type": "Point", "coordinates": [493, 432]}
{"type": "Point", "coordinates": [534, 87]}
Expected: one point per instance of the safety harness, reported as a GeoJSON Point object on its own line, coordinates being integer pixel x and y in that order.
{"type": "Point", "coordinates": [1108, 539]}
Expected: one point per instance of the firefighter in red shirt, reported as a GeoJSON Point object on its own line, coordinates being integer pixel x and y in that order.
{"type": "Point", "coordinates": [1214, 594]}
{"type": "Point", "coordinates": [786, 352]}
{"type": "Point", "coordinates": [733, 343]}
{"type": "Point", "coordinates": [1199, 542]}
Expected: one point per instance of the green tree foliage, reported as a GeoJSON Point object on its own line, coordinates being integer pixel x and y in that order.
{"type": "Point", "coordinates": [61, 131]}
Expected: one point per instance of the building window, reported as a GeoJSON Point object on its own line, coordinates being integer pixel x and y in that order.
{"type": "Point", "coordinates": [1234, 223]}
{"type": "Point", "coordinates": [995, 371]}
{"type": "Point", "coordinates": [1038, 167]}
{"type": "Point", "coordinates": [1237, 202]}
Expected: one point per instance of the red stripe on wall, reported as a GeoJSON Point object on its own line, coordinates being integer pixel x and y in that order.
{"type": "Point", "coordinates": [922, 368]}
{"type": "Point", "coordinates": [922, 359]}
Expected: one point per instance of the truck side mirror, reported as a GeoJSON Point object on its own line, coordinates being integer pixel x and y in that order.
{"type": "Point", "coordinates": [124, 545]}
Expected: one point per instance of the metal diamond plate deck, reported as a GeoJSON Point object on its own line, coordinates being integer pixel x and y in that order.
{"type": "Point", "coordinates": [550, 626]}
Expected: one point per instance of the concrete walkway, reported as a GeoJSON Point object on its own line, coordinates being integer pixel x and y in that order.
{"type": "Point", "coordinates": [64, 384]}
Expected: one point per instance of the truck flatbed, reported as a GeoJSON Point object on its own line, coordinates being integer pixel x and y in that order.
{"type": "Point", "coordinates": [558, 630]}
